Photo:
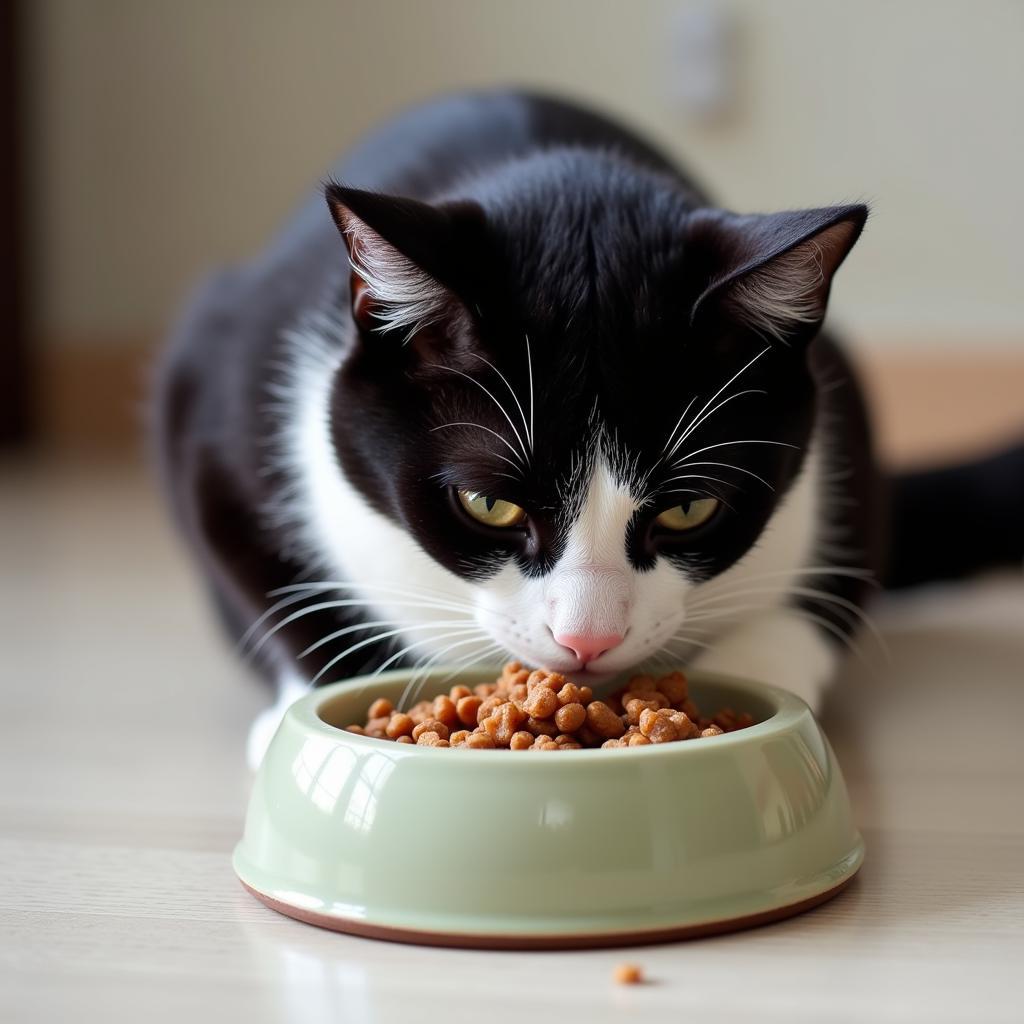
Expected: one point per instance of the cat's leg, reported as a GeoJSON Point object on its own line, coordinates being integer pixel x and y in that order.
{"type": "Point", "coordinates": [777, 647]}
{"type": "Point", "coordinates": [289, 689]}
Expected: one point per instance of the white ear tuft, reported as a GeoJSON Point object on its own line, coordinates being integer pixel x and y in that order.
{"type": "Point", "coordinates": [782, 294]}
{"type": "Point", "coordinates": [403, 296]}
{"type": "Point", "coordinates": [780, 288]}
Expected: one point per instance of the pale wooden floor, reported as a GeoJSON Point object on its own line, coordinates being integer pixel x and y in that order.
{"type": "Point", "coordinates": [122, 790]}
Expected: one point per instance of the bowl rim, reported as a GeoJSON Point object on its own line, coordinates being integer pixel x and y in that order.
{"type": "Point", "coordinates": [790, 710]}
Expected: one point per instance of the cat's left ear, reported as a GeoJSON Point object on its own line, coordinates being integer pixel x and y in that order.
{"type": "Point", "coordinates": [772, 273]}
{"type": "Point", "coordinates": [408, 258]}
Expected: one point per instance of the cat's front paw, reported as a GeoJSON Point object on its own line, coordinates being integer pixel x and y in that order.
{"type": "Point", "coordinates": [776, 648]}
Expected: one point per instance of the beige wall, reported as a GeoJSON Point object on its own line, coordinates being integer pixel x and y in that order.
{"type": "Point", "coordinates": [170, 135]}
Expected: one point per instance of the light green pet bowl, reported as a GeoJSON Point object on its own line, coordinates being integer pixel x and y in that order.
{"type": "Point", "coordinates": [501, 849]}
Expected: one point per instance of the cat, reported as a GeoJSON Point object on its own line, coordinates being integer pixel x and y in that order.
{"type": "Point", "coordinates": [510, 385]}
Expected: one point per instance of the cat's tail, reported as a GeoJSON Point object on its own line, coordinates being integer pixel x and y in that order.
{"type": "Point", "coordinates": [952, 521]}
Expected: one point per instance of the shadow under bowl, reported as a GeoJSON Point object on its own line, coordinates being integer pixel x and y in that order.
{"type": "Point", "coordinates": [502, 849]}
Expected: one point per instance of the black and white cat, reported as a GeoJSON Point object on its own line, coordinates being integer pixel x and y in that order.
{"type": "Point", "coordinates": [539, 399]}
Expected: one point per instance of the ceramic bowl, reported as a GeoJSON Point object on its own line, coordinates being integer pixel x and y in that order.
{"type": "Point", "coordinates": [504, 849]}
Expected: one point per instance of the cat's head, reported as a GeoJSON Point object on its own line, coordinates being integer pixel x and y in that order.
{"type": "Point", "coordinates": [579, 394]}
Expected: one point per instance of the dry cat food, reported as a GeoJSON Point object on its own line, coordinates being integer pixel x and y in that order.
{"type": "Point", "coordinates": [629, 974]}
{"type": "Point", "coordinates": [541, 710]}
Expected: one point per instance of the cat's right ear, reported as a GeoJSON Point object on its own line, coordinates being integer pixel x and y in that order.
{"type": "Point", "coordinates": [407, 259]}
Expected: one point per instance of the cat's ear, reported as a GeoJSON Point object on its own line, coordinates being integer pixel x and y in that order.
{"type": "Point", "coordinates": [407, 258]}
{"type": "Point", "coordinates": [771, 273]}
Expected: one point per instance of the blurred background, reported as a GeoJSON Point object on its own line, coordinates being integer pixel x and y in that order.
{"type": "Point", "coordinates": [154, 140]}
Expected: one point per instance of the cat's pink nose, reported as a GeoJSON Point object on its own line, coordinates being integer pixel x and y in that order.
{"type": "Point", "coordinates": [588, 647]}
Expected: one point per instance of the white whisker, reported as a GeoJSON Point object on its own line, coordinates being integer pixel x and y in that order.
{"type": "Point", "coordinates": [697, 476]}
{"type": "Point", "coordinates": [490, 395]}
{"type": "Point", "coordinates": [529, 370]}
{"type": "Point", "coordinates": [684, 638]}
{"type": "Point", "coordinates": [473, 657]}
{"type": "Point", "coordinates": [856, 572]}
{"type": "Point", "coordinates": [379, 622]}
{"type": "Point", "coordinates": [711, 400]}
{"type": "Point", "coordinates": [504, 379]}
{"type": "Point", "coordinates": [286, 602]}
{"type": "Point", "coordinates": [824, 623]}
{"type": "Point", "coordinates": [480, 426]}
{"type": "Point", "coordinates": [303, 591]}
{"type": "Point", "coordinates": [328, 606]}
{"type": "Point", "coordinates": [426, 664]}
{"type": "Point", "coordinates": [724, 465]}
{"type": "Point", "coordinates": [428, 657]}
{"type": "Point", "coordinates": [414, 590]}
{"type": "Point", "coordinates": [689, 405]}
{"type": "Point", "coordinates": [384, 636]}
{"type": "Point", "coordinates": [811, 593]}
{"type": "Point", "coordinates": [411, 689]}
{"type": "Point", "coordinates": [691, 429]}
{"type": "Point", "coordinates": [727, 444]}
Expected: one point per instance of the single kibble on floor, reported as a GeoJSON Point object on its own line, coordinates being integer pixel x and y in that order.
{"type": "Point", "coordinates": [629, 974]}
{"type": "Point", "coordinates": [540, 710]}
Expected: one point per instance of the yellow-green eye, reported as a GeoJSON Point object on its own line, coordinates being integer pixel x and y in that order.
{"type": "Point", "coordinates": [688, 516]}
{"type": "Point", "coordinates": [491, 511]}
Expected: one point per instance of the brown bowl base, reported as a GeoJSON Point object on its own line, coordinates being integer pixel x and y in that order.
{"type": "Point", "coordinates": [598, 940]}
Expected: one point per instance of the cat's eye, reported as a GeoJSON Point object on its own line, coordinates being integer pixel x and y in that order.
{"type": "Point", "coordinates": [689, 515]}
{"type": "Point", "coordinates": [491, 511]}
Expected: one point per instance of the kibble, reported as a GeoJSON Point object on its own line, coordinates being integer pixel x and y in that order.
{"type": "Point", "coordinates": [467, 709]}
{"type": "Point", "coordinates": [541, 710]}
{"type": "Point", "coordinates": [399, 725]}
{"type": "Point", "coordinates": [430, 725]}
{"type": "Point", "coordinates": [380, 708]}
{"type": "Point", "coordinates": [569, 717]}
{"type": "Point", "coordinates": [541, 702]}
{"type": "Point", "coordinates": [521, 740]}
{"type": "Point", "coordinates": [604, 721]}
{"type": "Point", "coordinates": [628, 974]}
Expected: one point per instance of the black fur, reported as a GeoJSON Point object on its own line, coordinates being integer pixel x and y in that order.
{"type": "Point", "coordinates": [952, 521]}
{"type": "Point", "coordinates": [541, 221]}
